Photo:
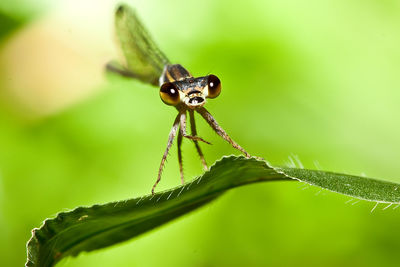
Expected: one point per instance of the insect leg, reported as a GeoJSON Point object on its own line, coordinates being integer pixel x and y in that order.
{"type": "Point", "coordinates": [183, 130]}
{"type": "Point", "coordinates": [213, 123]}
{"type": "Point", "coordinates": [180, 156]}
{"type": "Point", "coordinates": [194, 133]}
{"type": "Point", "coordinates": [171, 137]}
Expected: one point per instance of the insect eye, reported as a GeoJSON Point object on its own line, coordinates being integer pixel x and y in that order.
{"type": "Point", "coordinates": [169, 94]}
{"type": "Point", "coordinates": [214, 86]}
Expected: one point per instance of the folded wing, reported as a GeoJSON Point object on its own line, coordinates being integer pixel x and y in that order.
{"type": "Point", "coordinates": [143, 59]}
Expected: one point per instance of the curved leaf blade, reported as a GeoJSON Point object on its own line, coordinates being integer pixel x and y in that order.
{"type": "Point", "coordinates": [99, 226]}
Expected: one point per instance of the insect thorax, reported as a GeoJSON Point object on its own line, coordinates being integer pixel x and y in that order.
{"type": "Point", "coordinates": [174, 72]}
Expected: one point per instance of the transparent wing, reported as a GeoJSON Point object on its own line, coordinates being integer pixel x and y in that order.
{"type": "Point", "coordinates": [143, 59]}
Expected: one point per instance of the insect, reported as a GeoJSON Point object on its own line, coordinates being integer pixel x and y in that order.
{"type": "Point", "coordinates": [144, 61]}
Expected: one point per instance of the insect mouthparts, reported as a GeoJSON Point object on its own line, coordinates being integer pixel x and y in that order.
{"type": "Point", "coordinates": [196, 100]}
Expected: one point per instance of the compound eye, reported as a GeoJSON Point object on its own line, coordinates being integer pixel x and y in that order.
{"type": "Point", "coordinates": [169, 94]}
{"type": "Point", "coordinates": [214, 86]}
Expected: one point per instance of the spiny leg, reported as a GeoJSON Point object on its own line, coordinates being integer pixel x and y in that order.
{"type": "Point", "coordinates": [171, 137]}
{"type": "Point", "coordinates": [194, 133]}
{"type": "Point", "coordinates": [183, 130]}
{"type": "Point", "coordinates": [180, 156]}
{"type": "Point", "coordinates": [213, 123]}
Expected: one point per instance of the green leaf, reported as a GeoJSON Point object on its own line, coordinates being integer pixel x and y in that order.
{"type": "Point", "coordinates": [90, 228]}
{"type": "Point", "coordinates": [350, 185]}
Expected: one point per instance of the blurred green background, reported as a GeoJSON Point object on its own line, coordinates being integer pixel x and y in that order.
{"type": "Point", "coordinates": [317, 80]}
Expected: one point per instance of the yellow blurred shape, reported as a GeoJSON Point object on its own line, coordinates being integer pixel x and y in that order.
{"type": "Point", "coordinates": [57, 60]}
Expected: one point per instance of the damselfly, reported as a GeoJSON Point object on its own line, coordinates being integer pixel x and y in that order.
{"type": "Point", "coordinates": [144, 61]}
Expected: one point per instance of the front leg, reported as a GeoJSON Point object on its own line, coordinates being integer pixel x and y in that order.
{"type": "Point", "coordinates": [194, 132]}
{"type": "Point", "coordinates": [213, 123]}
{"type": "Point", "coordinates": [180, 156]}
{"type": "Point", "coordinates": [171, 137]}
{"type": "Point", "coordinates": [183, 130]}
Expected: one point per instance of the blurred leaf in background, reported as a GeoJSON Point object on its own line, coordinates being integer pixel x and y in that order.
{"type": "Point", "coordinates": [317, 80]}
